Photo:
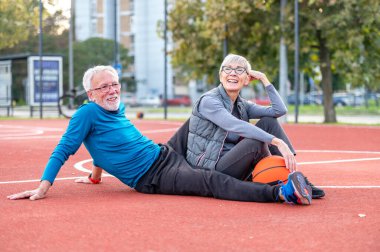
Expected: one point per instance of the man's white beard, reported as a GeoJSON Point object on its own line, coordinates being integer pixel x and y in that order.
{"type": "Point", "coordinates": [112, 106]}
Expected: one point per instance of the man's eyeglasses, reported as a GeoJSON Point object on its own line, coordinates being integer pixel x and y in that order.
{"type": "Point", "coordinates": [238, 70]}
{"type": "Point", "coordinates": [106, 87]}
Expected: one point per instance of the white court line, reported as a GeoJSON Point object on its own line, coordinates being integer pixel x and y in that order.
{"type": "Point", "coordinates": [351, 187]}
{"type": "Point", "coordinates": [340, 151]}
{"type": "Point", "coordinates": [339, 161]}
{"type": "Point", "coordinates": [79, 167]}
{"type": "Point", "coordinates": [40, 136]}
{"type": "Point", "coordinates": [30, 127]}
{"type": "Point", "coordinates": [38, 180]}
{"type": "Point", "coordinates": [108, 175]}
{"type": "Point", "coordinates": [30, 137]}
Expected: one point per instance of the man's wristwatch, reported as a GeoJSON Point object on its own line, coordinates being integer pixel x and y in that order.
{"type": "Point", "coordinates": [94, 181]}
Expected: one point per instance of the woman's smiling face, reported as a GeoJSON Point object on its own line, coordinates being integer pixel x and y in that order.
{"type": "Point", "coordinates": [233, 77]}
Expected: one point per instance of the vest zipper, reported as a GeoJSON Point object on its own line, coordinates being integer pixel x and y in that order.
{"type": "Point", "coordinates": [220, 151]}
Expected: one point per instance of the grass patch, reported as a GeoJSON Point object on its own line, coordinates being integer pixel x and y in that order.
{"type": "Point", "coordinates": [372, 109]}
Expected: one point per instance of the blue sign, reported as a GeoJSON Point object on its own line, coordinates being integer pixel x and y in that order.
{"type": "Point", "coordinates": [118, 67]}
{"type": "Point", "coordinates": [51, 80]}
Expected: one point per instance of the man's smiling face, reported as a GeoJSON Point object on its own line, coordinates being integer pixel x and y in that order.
{"type": "Point", "coordinates": [109, 100]}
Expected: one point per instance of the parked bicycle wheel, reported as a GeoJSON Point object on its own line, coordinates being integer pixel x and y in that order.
{"type": "Point", "coordinates": [68, 103]}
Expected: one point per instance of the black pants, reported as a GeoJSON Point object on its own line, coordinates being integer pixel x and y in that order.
{"type": "Point", "coordinates": [171, 174]}
{"type": "Point", "coordinates": [242, 158]}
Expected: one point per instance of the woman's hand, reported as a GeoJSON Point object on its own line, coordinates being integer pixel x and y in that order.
{"type": "Point", "coordinates": [286, 153]}
{"type": "Point", "coordinates": [256, 75]}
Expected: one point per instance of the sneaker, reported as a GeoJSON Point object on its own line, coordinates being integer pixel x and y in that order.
{"type": "Point", "coordinates": [296, 191]}
{"type": "Point", "coordinates": [317, 193]}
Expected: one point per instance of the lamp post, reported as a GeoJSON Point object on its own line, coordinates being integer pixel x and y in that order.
{"type": "Point", "coordinates": [116, 44]}
{"type": "Point", "coordinates": [165, 60]}
{"type": "Point", "coordinates": [71, 55]}
{"type": "Point", "coordinates": [40, 61]}
{"type": "Point", "coordinates": [296, 57]}
{"type": "Point", "coordinates": [283, 60]}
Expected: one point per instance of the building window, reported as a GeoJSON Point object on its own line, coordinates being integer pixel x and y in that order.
{"type": "Point", "coordinates": [99, 6]}
{"type": "Point", "coordinates": [99, 25]}
{"type": "Point", "coordinates": [125, 25]}
{"type": "Point", "coordinates": [124, 5]}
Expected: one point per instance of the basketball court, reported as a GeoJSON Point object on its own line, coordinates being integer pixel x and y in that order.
{"type": "Point", "coordinates": [344, 160]}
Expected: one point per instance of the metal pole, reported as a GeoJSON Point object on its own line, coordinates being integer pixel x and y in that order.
{"type": "Point", "coordinates": [40, 62]}
{"type": "Point", "coordinates": [71, 55]}
{"type": "Point", "coordinates": [296, 56]}
{"type": "Point", "coordinates": [283, 61]}
{"type": "Point", "coordinates": [165, 61]}
{"type": "Point", "coordinates": [116, 46]}
{"type": "Point", "coordinates": [225, 41]}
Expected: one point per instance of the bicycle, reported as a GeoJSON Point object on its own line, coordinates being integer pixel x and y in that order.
{"type": "Point", "coordinates": [69, 102]}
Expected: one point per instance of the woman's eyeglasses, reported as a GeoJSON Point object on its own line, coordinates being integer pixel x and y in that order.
{"type": "Point", "coordinates": [238, 70]}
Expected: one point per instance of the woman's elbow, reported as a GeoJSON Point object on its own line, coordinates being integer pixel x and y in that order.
{"type": "Point", "coordinates": [281, 112]}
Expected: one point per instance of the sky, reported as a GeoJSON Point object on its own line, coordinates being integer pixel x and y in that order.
{"type": "Point", "coordinates": [54, 5]}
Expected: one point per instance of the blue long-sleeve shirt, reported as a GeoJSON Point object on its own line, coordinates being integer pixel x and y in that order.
{"type": "Point", "coordinates": [113, 142]}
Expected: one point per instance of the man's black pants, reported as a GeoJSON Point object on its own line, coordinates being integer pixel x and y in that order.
{"type": "Point", "coordinates": [171, 174]}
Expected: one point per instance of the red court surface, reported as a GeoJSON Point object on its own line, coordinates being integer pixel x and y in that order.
{"type": "Point", "coordinates": [344, 160]}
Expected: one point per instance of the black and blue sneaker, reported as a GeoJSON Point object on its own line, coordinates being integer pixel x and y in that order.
{"type": "Point", "coordinates": [296, 191]}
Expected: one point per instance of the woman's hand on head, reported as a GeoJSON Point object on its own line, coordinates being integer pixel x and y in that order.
{"type": "Point", "coordinates": [256, 75]}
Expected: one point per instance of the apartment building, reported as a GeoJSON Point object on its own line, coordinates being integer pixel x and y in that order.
{"type": "Point", "coordinates": [135, 27]}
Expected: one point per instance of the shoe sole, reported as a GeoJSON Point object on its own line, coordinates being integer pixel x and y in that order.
{"type": "Point", "coordinates": [318, 195]}
{"type": "Point", "coordinates": [301, 189]}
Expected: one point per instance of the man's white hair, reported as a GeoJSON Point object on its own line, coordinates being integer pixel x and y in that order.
{"type": "Point", "coordinates": [89, 74]}
{"type": "Point", "coordinates": [233, 58]}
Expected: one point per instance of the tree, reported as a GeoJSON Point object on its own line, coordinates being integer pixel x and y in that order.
{"type": "Point", "coordinates": [341, 38]}
{"type": "Point", "coordinates": [198, 30]}
{"type": "Point", "coordinates": [96, 51]}
{"type": "Point", "coordinates": [17, 17]}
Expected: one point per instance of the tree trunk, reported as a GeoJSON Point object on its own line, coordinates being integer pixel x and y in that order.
{"type": "Point", "coordinates": [326, 83]}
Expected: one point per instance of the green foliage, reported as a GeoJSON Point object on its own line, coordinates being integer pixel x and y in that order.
{"type": "Point", "coordinates": [339, 40]}
{"type": "Point", "coordinates": [95, 51]}
{"type": "Point", "coordinates": [17, 19]}
{"type": "Point", "coordinates": [350, 28]}
{"type": "Point", "coordinates": [199, 28]}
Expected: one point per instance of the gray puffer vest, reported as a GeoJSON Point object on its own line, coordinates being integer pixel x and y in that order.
{"type": "Point", "coordinates": [205, 139]}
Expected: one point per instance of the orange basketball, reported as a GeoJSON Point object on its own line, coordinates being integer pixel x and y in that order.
{"type": "Point", "coordinates": [270, 170]}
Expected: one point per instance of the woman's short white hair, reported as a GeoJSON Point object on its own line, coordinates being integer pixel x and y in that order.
{"type": "Point", "coordinates": [89, 74]}
{"type": "Point", "coordinates": [233, 58]}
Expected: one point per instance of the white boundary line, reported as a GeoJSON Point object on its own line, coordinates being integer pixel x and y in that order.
{"type": "Point", "coordinates": [37, 134]}
{"type": "Point", "coordinates": [79, 166]}
{"type": "Point", "coordinates": [341, 151]}
{"type": "Point", "coordinates": [339, 161]}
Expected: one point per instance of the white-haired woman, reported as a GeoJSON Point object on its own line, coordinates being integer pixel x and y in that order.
{"type": "Point", "coordinates": [220, 136]}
